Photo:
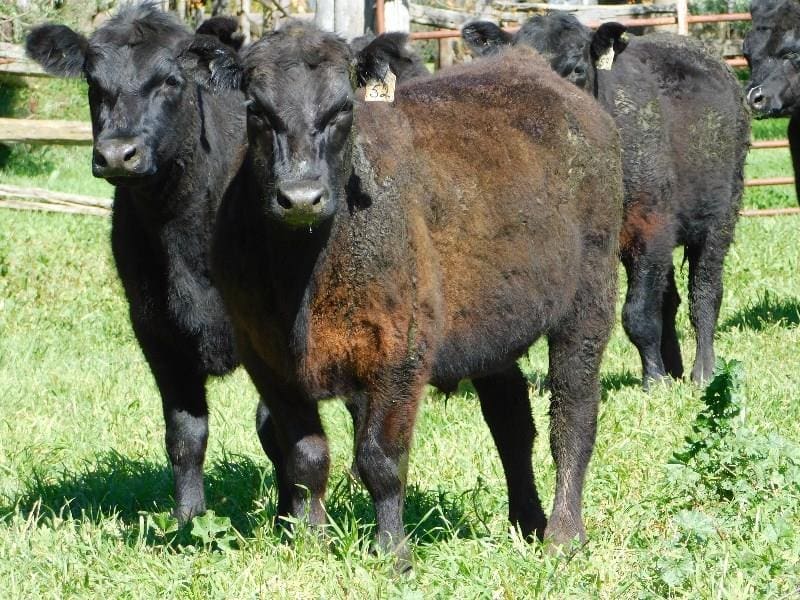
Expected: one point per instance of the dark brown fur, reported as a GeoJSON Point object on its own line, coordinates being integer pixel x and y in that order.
{"type": "Point", "coordinates": [465, 226]}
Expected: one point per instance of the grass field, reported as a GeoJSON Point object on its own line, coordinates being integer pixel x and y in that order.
{"type": "Point", "coordinates": [84, 482]}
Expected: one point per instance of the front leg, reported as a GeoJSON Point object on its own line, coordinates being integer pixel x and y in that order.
{"type": "Point", "coordinates": [382, 448]}
{"type": "Point", "coordinates": [291, 433]}
{"type": "Point", "coordinates": [183, 397]}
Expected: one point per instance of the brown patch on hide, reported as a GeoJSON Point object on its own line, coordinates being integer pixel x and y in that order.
{"type": "Point", "coordinates": [638, 228]}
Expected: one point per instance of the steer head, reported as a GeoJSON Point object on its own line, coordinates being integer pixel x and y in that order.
{"type": "Point", "coordinates": [299, 87]}
{"type": "Point", "coordinates": [572, 48]}
{"type": "Point", "coordinates": [772, 50]}
{"type": "Point", "coordinates": [146, 73]}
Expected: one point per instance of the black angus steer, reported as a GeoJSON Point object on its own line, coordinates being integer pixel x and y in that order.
{"type": "Point", "coordinates": [371, 248]}
{"type": "Point", "coordinates": [772, 50]}
{"type": "Point", "coordinates": [170, 143]}
{"type": "Point", "coordinates": [685, 133]}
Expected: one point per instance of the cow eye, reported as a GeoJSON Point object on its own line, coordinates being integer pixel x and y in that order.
{"type": "Point", "coordinates": [172, 81]}
{"type": "Point", "coordinates": [341, 114]}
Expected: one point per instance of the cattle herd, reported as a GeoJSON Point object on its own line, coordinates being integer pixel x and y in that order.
{"type": "Point", "coordinates": [265, 214]}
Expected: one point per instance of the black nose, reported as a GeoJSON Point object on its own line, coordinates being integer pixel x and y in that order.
{"type": "Point", "coordinates": [305, 196]}
{"type": "Point", "coordinates": [756, 99]}
{"type": "Point", "coordinates": [119, 157]}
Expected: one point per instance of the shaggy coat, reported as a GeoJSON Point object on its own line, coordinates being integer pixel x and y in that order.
{"type": "Point", "coordinates": [170, 146]}
{"type": "Point", "coordinates": [772, 50]}
{"type": "Point", "coordinates": [685, 134]}
{"type": "Point", "coordinates": [373, 248]}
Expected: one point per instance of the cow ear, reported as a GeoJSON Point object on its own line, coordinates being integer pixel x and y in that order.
{"type": "Point", "coordinates": [375, 60]}
{"type": "Point", "coordinates": [60, 50]}
{"type": "Point", "coordinates": [483, 37]}
{"type": "Point", "coordinates": [213, 64]}
{"type": "Point", "coordinates": [609, 36]}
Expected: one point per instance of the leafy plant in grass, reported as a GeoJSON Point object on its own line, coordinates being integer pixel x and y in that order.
{"type": "Point", "coordinates": [748, 479]}
{"type": "Point", "coordinates": [214, 531]}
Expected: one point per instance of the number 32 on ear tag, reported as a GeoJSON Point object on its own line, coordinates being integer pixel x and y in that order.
{"type": "Point", "coordinates": [381, 91]}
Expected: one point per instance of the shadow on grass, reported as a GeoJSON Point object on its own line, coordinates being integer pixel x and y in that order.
{"type": "Point", "coordinates": [236, 487]}
{"type": "Point", "coordinates": [768, 310]}
{"type": "Point", "coordinates": [116, 484]}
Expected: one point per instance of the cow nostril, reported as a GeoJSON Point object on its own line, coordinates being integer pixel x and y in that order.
{"type": "Point", "coordinates": [284, 201]}
{"type": "Point", "coordinates": [756, 98]}
{"type": "Point", "coordinates": [317, 199]}
{"type": "Point", "coordinates": [100, 160]}
{"type": "Point", "coordinates": [129, 153]}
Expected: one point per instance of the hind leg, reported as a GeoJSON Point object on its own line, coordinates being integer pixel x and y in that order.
{"type": "Point", "coordinates": [507, 411]}
{"type": "Point", "coordinates": [642, 312]}
{"type": "Point", "coordinates": [670, 348]}
{"type": "Point", "coordinates": [705, 297]}
{"type": "Point", "coordinates": [576, 350]}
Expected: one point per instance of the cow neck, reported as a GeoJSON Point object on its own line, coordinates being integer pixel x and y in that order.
{"type": "Point", "coordinates": [296, 256]}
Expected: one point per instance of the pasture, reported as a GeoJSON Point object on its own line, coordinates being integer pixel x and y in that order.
{"type": "Point", "coordinates": [84, 483]}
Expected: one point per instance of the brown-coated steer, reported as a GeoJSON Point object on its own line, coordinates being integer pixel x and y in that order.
{"type": "Point", "coordinates": [373, 248]}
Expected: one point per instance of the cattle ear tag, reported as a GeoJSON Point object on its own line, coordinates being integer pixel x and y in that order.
{"type": "Point", "coordinates": [381, 91]}
{"type": "Point", "coordinates": [605, 60]}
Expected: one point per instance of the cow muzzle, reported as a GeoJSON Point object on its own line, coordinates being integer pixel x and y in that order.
{"type": "Point", "coordinates": [764, 102]}
{"type": "Point", "coordinates": [121, 157]}
{"type": "Point", "coordinates": [302, 203]}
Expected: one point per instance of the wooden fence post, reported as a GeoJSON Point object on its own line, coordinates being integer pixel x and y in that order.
{"type": "Point", "coordinates": [682, 8]}
{"type": "Point", "coordinates": [244, 20]}
{"type": "Point", "coordinates": [396, 16]}
{"type": "Point", "coordinates": [345, 17]}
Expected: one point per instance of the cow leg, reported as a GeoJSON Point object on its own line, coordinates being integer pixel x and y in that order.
{"type": "Point", "coordinates": [506, 409]}
{"type": "Point", "coordinates": [291, 433]}
{"type": "Point", "coordinates": [183, 398]}
{"type": "Point", "coordinates": [705, 297]}
{"type": "Point", "coordinates": [268, 436]}
{"type": "Point", "coordinates": [575, 353]}
{"type": "Point", "coordinates": [384, 441]}
{"type": "Point", "coordinates": [670, 348]}
{"type": "Point", "coordinates": [642, 313]}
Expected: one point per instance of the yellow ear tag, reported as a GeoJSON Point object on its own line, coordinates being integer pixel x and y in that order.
{"type": "Point", "coordinates": [605, 60]}
{"type": "Point", "coordinates": [381, 91]}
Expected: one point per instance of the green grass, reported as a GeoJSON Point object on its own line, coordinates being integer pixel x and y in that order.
{"type": "Point", "coordinates": [769, 163]}
{"type": "Point", "coordinates": [84, 482]}
{"type": "Point", "coordinates": [82, 455]}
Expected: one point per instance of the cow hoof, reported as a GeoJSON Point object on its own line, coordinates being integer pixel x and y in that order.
{"type": "Point", "coordinates": [563, 537]}
{"type": "Point", "coordinates": [651, 382]}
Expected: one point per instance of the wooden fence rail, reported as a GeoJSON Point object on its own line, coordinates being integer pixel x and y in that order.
{"type": "Point", "coordinates": [25, 198]}
{"type": "Point", "coordinates": [14, 62]}
{"type": "Point", "coordinates": [41, 131]}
